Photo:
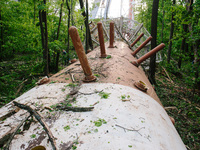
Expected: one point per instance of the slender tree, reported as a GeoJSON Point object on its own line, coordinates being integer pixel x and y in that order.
{"type": "Point", "coordinates": [44, 35]}
{"type": "Point", "coordinates": [72, 18]}
{"type": "Point", "coordinates": [152, 68]}
{"type": "Point", "coordinates": [183, 45]}
{"type": "Point", "coordinates": [163, 21]}
{"type": "Point", "coordinates": [86, 23]}
{"type": "Point", "coordinates": [57, 36]}
{"type": "Point", "coordinates": [34, 12]}
{"type": "Point", "coordinates": [87, 29]}
{"type": "Point", "coordinates": [171, 34]}
{"type": "Point", "coordinates": [1, 41]}
{"type": "Point", "coordinates": [68, 25]}
{"type": "Point", "coordinates": [195, 42]}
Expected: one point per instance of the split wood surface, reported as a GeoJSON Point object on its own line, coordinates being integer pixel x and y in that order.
{"type": "Point", "coordinates": [39, 119]}
{"type": "Point", "coordinates": [13, 134]}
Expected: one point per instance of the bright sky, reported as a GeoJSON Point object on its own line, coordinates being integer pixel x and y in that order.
{"type": "Point", "coordinates": [114, 9]}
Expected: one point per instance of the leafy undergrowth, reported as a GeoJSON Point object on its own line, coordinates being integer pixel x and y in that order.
{"type": "Point", "coordinates": [183, 105]}
{"type": "Point", "coordinates": [16, 77]}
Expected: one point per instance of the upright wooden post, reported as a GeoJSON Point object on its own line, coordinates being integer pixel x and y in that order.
{"type": "Point", "coordinates": [111, 35]}
{"type": "Point", "coordinates": [101, 40]}
{"type": "Point", "coordinates": [81, 54]}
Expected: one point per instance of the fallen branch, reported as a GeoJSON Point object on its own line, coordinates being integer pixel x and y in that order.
{"type": "Point", "coordinates": [95, 103]}
{"type": "Point", "coordinates": [131, 129]}
{"type": "Point", "coordinates": [72, 77]}
{"type": "Point", "coordinates": [95, 92]}
{"type": "Point", "coordinates": [20, 86]}
{"type": "Point", "coordinates": [75, 109]}
{"type": "Point", "coordinates": [13, 134]}
{"type": "Point", "coordinates": [39, 119]}
{"type": "Point", "coordinates": [172, 107]}
{"type": "Point", "coordinates": [167, 75]}
{"type": "Point", "coordinates": [125, 100]}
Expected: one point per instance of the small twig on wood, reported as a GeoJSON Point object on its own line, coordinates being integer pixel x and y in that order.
{"type": "Point", "coordinates": [95, 92]}
{"type": "Point", "coordinates": [39, 119]}
{"type": "Point", "coordinates": [67, 71]}
{"type": "Point", "coordinates": [95, 103]}
{"type": "Point", "coordinates": [131, 129]}
{"type": "Point", "coordinates": [125, 100]}
{"type": "Point", "coordinates": [13, 134]}
{"type": "Point", "coordinates": [75, 109]}
{"type": "Point", "coordinates": [48, 108]}
{"type": "Point", "coordinates": [72, 77]}
{"type": "Point", "coordinates": [45, 97]}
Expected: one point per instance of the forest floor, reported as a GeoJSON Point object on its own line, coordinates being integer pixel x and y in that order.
{"type": "Point", "coordinates": [16, 77]}
{"type": "Point", "coordinates": [182, 103]}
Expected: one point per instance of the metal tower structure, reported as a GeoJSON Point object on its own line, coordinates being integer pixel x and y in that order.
{"type": "Point", "coordinates": [131, 6]}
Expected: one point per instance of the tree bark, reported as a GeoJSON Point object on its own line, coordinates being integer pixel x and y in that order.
{"type": "Point", "coordinates": [152, 67]}
{"type": "Point", "coordinates": [86, 23]}
{"type": "Point", "coordinates": [1, 24]}
{"type": "Point", "coordinates": [171, 35]}
{"type": "Point", "coordinates": [107, 8]}
{"type": "Point", "coordinates": [163, 21]}
{"type": "Point", "coordinates": [44, 35]}
{"type": "Point", "coordinates": [195, 45]}
{"type": "Point", "coordinates": [183, 44]}
{"type": "Point", "coordinates": [68, 31]}
{"type": "Point", "coordinates": [87, 30]}
{"type": "Point", "coordinates": [72, 18]}
{"type": "Point", "coordinates": [34, 13]}
{"type": "Point", "coordinates": [58, 31]}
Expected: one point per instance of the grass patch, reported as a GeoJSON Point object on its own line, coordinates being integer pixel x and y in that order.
{"type": "Point", "coordinates": [66, 128]}
{"type": "Point", "coordinates": [104, 95]}
{"type": "Point", "coordinates": [33, 136]}
{"type": "Point", "coordinates": [108, 56]}
{"type": "Point", "coordinates": [99, 122]}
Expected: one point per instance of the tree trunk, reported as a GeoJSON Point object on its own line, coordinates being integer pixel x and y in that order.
{"type": "Point", "coordinates": [68, 31]}
{"type": "Point", "coordinates": [1, 24]}
{"type": "Point", "coordinates": [195, 45]}
{"type": "Point", "coordinates": [44, 35]}
{"type": "Point", "coordinates": [152, 67]}
{"type": "Point", "coordinates": [72, 18]}
{"type": "Point", "coordinates": [87, 30]}
{"type": "Point", "coordinates": [182, 50]}
{"type": "Point", "coordinates": [34, 13]}
{"type": "Point", "coordinates": [86, 23]}
{"type": "Point", "coordinates": [197, 64]}
{"type": "Point", "coordinates": [171, 35]}
{"type": "Point", "coordinates": [107, 9]}
{"type": "Point", "coordinates": [58, 31]}
{"type": "Point", "coordinates": [163, 21]}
